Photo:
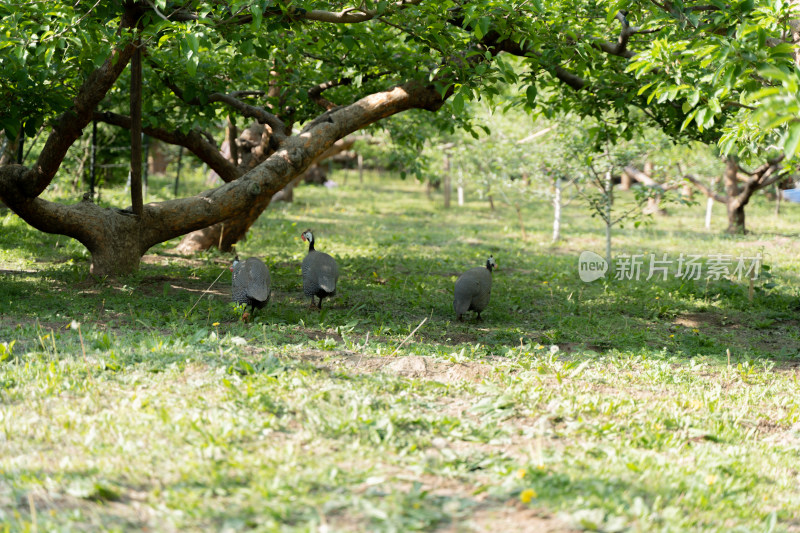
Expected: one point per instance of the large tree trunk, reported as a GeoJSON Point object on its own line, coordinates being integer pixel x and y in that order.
{"type": "Point", "coordinates": [735, 204]}
{"type": "Point", "coordinates": [736, 218]}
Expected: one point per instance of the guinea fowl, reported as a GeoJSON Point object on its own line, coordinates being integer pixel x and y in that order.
{"type": "Point", "coordinates": [473, 289]}
{"type": "Point", "coordinates": [251, 284]}
{"type": "Point", "coordinates": [320, 271]}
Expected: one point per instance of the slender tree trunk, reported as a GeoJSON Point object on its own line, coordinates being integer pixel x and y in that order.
{"type": "Point", "coordinates": [609, 186]}
{"type": "Point", "coordinates": [231, 133]}
{"type": "Point", "coordinates": [557, 211]}
{"type": "Point", "coordinates": [778, 195]}
{"type": "Point", "coordinates": [145, 167]}
{"type": "Point", "coordinates": [709, 207]}
{"type": "Point", "coordinates": [93, 163]}
{"type": "Point", "coordinates": [21, 148]}
{"type": "Point", "coordinates": [361, 169]}
{"type": "Point", "coordinates": [448, 186]}
{"type": "Point", "coordinates": [178, 171]}
{"type": "Point", "coordinates": [136, 130]}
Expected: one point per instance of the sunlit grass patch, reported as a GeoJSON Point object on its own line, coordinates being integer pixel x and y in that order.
{"type": "Point", "coordinates": [145, 402]}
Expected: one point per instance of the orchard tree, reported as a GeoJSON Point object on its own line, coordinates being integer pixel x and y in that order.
{"type": "Point", "coordinates": [293, 77]}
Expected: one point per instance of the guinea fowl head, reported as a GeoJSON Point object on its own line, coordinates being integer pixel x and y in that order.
{"type": "Point", "coordinates": [491, 263]}
{"type": "Point", "coordinates": [235, 262]}
{"type": "Point", "coordinates": [308, 237]}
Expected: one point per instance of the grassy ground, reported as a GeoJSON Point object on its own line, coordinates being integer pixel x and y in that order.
{"type": "Point", "coordinates": [612, 406]}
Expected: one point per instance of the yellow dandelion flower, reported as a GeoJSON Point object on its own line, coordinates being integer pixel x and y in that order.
{"type": "Point", "coordinates": [527, 495]}
{"type": "Point", "coordinates": [711, 479]}
{"type": "Point", "coordinates": [521, 473]}
{"type": "Point", "coordinates": [695, 330]}
{"type": "Point", "coordinates": [672, 336]}
{"type": "Point", "coordinates": [544, 283]}
{"type": "Point", "coordinates": [539, 347]}
{"type": "Point", "coordinates": [215, 324]}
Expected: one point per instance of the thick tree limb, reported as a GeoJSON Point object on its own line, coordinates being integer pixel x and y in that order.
{"type": "Point", "coordinates": [763, 176]}
{"type": "Point", "coordinates": [170, 219]}
{"type": "Point", "coordinates": [69, 125]}
{"type": "Point", "coordinates": [644, 179]}
{"type": "Point", "coordinates": [194, 141]}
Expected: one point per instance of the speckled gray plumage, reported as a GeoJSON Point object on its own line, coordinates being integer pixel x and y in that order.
{"type": "Point", "coordinates": [320, 274]}
{"type": "Point", "coordinates": [472, 291]}
{"type": "Point", "coordinates": [251, 283]}
{"type": "Point", "coordinates": [320, 271]}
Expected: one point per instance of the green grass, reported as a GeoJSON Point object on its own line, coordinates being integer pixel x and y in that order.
{"type": "Point", "coordinates": [609, 406]}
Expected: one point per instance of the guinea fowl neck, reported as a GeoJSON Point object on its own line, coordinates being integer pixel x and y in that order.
{"type": "Point", "coordinates": [311, 245]}
{"type": "Point", "coordinates": [488, 266]}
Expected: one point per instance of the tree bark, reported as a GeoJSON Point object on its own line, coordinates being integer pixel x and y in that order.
{"type": "Point", "coordinates": [136, 130]}
{"type": "Point", "coordinates": [735, 205]}
{"type": "Point", "coordinates": [736, 219]}
{"type": "Point", "coordinates": [225, 235]}
{"type": "Point", "coordinates": [117, 239]}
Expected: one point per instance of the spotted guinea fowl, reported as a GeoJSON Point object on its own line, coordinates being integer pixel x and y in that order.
{"type": "Point", "coordinates": [320, 272]}
{"type": "Point", "coordinates": [251, 284]}
{"type": "Point", "coordinates": [473, 289]}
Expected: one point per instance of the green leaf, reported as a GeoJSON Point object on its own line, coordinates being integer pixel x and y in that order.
{"type": "Point", "coordinates": [483, 24]}
{"type": "Point", "coordinates": [458, 103]}
{"type": "Point", "coordinates": [193, 42]}
{"type": "Point", "coordinates": [792, 138]}
{"type": "Point", "coordinates": [530, 94]}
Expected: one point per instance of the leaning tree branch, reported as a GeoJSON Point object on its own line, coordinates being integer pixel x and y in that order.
{"type": "Point", "coordinates": [646, 180]}
{"type": "Point", "coordinates": [766, 175]}
{"type": "Point", "coordinates": [706, 190]}
{"type": "Point", "coordinates": [194, 141]}
{"type": "Point", "coordinates": [279, 129]}
{"type": "Point", "coordinates": [315, 92]}
{"type": "Point", "coordinates": [765, 167]}
{"type": "Point", "coordinates": [166, 220]}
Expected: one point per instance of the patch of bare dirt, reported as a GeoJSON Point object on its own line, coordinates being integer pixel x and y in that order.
{"type": "Point", "coordinates": [702, 320]}
{"type": "Point", "coordinates": [169, 257]}
{"type": "Point", "coordinates": [154, 285]}
{"type": "Point", "coordinates": [514, 517]}
{"type": "Point", "coordinates": [128, 510]}
{"type": "Point", "coordinates": [412, 366]}
{"type": "Point", "coordinates": [772, 337]}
